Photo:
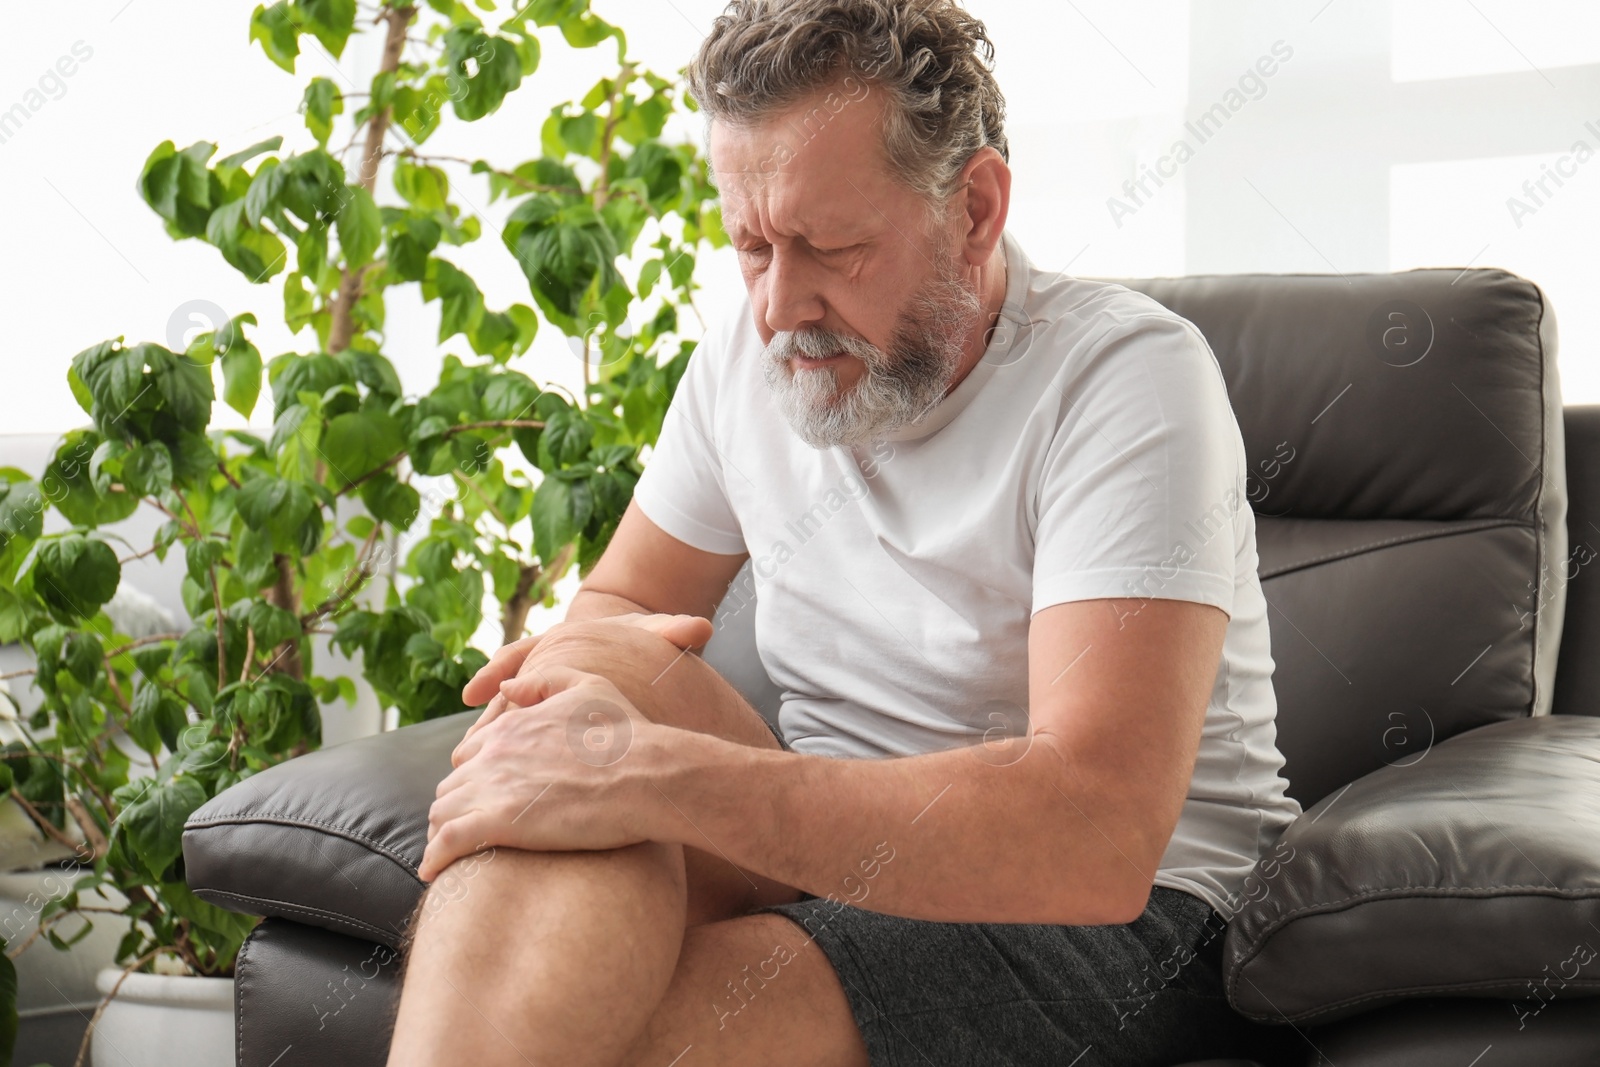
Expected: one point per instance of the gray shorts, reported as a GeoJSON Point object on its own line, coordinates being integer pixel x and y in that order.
{"type": "Point", "coordinates": [1145, 994]}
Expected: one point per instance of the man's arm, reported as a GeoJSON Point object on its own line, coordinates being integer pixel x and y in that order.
{"type": "Point", "coordinates": [645, 569]}
{"type": "Point", "coordinates": [1067, 826]}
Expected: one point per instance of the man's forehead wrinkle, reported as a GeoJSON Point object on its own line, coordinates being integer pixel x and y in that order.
{"type": "Point", "coordinates": [782, 216]}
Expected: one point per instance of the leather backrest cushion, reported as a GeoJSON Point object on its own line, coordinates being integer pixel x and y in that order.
{"type": "Point", "coordinates": [1406, 467]}
{"type": "Point", "coordinates": [1473, 871]}
{"type": "Point", "coordinates": [1415, 395]}
{"type": "Point", "coordinates": [1578, 671]}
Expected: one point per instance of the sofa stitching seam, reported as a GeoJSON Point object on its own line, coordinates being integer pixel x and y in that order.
{"type": "Point", "coordinates": [1415, 535]}
{"type": "Point", "coordinates": [304, 909]}
{"type": "Point", "coordinates": [283, 818]}
{"type": "Point", "coordinates": [1236, 969]}
{"type": "Point", "coordinates": [1402, 992]}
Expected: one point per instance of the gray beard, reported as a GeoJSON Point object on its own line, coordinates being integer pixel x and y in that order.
{"type": "Point", "coordinates": [896, 388]}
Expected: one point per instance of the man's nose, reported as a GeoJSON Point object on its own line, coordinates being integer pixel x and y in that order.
{"type": "Point", "coordinates": [793, 301]}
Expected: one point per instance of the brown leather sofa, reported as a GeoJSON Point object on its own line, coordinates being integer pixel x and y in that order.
{"type": "Point", "coordinates": [1428, 518]}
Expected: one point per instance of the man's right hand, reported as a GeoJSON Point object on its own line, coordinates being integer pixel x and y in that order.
{"type": "Point", "coordinates": [685, 631]}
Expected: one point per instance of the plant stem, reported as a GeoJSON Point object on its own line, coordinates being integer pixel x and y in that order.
{"type": "Point", "coordinates": [342, 327]}
{"type": "Point", "coordinates": [492, 424]}
{"type": "Point", "coordinates": [83, 1048]}
{"type": "Point", "coordinates": [514, 619]}
{"type": "Point", "coordinates": [48, 827]}
{"type": "Point", "coordinates": [222, 644]}
{"type": "Point", "coordinates": [284, 595]}
{"type": "Point", "coordinates": [91, 830]}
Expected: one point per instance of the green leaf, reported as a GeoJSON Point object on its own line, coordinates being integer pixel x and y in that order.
{"type": "Point", "coordinates": [332, 21]}
{"type": "Point", "coordinates": [563, 250]}
{"type": "Point", "coordinates": [487, 67]}
{"type": "Point", "coordinates": [184, 386]}
{"type": "Point", "coordinates": [241, 376]}
{"type": "Point", "coordinates": [278, 33]}
{"type": "Point", "coordinates": [321, 102]}
{"type": "Point", "coordinates": [360, 226]}
{"type": "Point", "coordinates": [359, 442]}
{"type": "Point", "coordinates": [200, 556]}
{"type": "Point", "coordinates": [84, 656]}
{"type": "Point", "coordinates": [75, 575]}
{"type": "Point", "coordinates": [285, 509]}
{"type": "Point", "coordinates": [253, 565]}
{"type": "Point", "coordinates": [68, 485]}
{"type": "Point", "coordinates": [567, 435]}
{"type": "Point", "coordinates": [178, 186]}
{"type": "Point", "coordinates": [585, 31]}
{"type": "Point", "coordinates": [21, 512]}
{"type": "Point", "coordinates": [272, 625]}
{"type": "Point", "coordinates": [417, 110]}
{"type": "Point", "coordinates": [552, 518]}
{"type": "Point", "coordinates": [256, 253]}
{"type": "Point", "coordinates": [113, 375]}
{"type": "Point", "coordinates": [392, 501]}
{"type": "Point", "coordinates": [147, 469]}
{"type": "Point", "coordinates": [461, 301]}
{"type": "Point", "coordinates": [271, 144]}
{"type": "Point", "coordinates": [423, 187]}
{"type": "Point", "coordinates": [412, 239]}
{"type": "Point", "coordinates": [154, 823]}
{"type": "Point", "coordinates": [158, 718]}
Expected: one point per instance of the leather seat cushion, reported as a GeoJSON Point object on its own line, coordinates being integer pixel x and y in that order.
{"type": "Point", "coordinates": [1470, 870]}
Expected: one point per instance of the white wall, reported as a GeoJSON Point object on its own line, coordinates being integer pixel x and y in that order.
{"type": "Point", "coordinates": [1391, 138]}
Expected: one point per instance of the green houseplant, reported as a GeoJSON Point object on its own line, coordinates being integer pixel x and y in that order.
{"type": "Point", "coordinates": [484, 491]}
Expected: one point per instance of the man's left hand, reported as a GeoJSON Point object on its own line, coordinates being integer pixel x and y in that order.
{"type": "Point", "coordinates": [562, 774]}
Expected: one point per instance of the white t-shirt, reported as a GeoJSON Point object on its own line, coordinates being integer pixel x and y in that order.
{"type": "Point", "coordinates": [1092, 453]}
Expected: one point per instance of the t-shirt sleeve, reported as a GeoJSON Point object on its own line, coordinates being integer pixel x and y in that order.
{"type": "Point", "coordinates": [683, 488]}
{"type": "Point", "coordinates": [1140, 487]}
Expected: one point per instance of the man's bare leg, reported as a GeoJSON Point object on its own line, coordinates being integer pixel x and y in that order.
{"type": "Point", "coordinates": [544, 958]}
{"type": "Point", "coordinates": [563, 958]}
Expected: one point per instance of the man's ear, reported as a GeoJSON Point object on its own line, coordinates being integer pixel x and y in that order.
{"type": "Point", "coordinates": [985, 200]}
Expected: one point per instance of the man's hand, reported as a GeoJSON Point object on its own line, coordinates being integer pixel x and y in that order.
{"type": "Point", "coordinates": [551, 776]}
{"type": "Point", "coordinates": [502, 682]}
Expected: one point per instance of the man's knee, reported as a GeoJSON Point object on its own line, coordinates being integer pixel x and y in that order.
{"type": "Point", "coordinates": [664, 682]}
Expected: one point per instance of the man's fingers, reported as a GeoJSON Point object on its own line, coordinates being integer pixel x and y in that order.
{"type": "Point", "coordinates": [460, 836]}
{"type": "Point", "coordinates": [496, 708]}
{"type": "Point", "coordinates": [502, 665]}
{"type": "Point", "coordinates": [685, 631]}
{"type": "Point", "coordinates": [536, 687]}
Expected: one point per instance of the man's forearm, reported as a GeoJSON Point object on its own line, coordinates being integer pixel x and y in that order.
{"type": "Point", "coordinates": [590, 604]}
{"type": "Point", "coordinates": [947, 836]}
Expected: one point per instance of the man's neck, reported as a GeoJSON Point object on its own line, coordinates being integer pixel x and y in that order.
{"type": "Point", "coordinates": [991, 279]}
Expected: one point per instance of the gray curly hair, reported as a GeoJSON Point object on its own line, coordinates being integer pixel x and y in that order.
{"type": "Point", "coordinates": [932, 59]}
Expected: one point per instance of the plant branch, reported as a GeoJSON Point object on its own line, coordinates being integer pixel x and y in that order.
{"type": "Point", "coordinates": [98, 846]}
{"type": "Point", "coordinates": [284, 595]}
{"type": "Point", "coordinates": [83, 1047]}
{"type": "Point", "coordinates": [602, 185]}
{"type": "Point", "coordinates": [342, 327]}
{"type": "Point", "coordinates": [350, 585]}
{"type": "Point", "coordinates": [47, 827]}
{"type": "Point", "coordinates": [222, 644]}
{"type": "Point", "coordinates": [152, 639]}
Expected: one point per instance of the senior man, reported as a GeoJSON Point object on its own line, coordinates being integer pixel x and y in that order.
{"type": "Point", "coordinates": [1006, 580]}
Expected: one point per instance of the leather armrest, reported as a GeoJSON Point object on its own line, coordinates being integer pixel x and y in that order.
{"type": "Point", "coordinates": [331, 839]}
{"type": "Point", "coordinates": [1473, 871]}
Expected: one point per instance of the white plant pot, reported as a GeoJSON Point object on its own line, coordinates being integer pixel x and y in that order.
{"type": "Point", "coordinates": [159, 1020]}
